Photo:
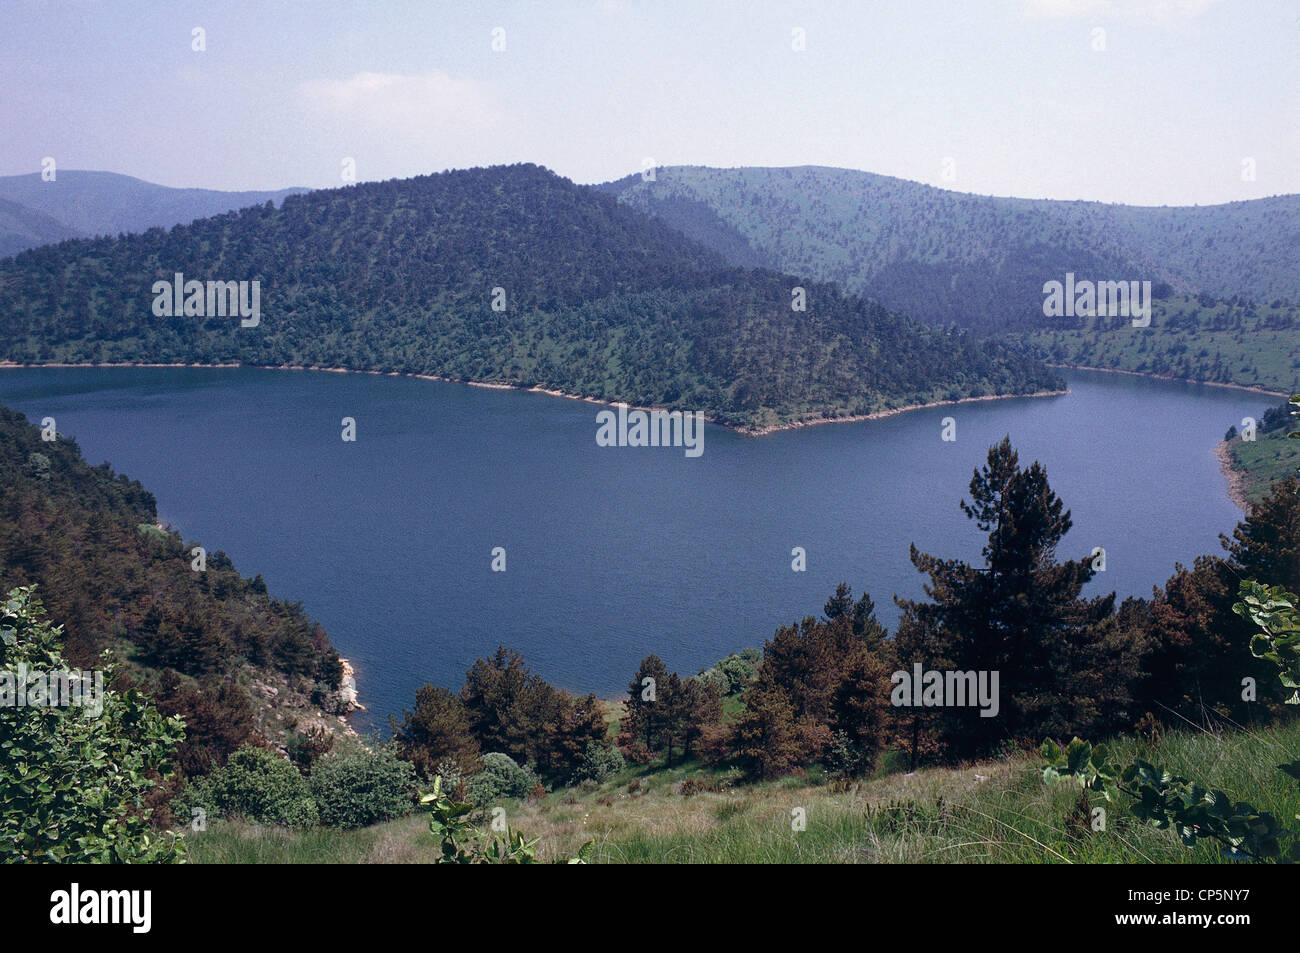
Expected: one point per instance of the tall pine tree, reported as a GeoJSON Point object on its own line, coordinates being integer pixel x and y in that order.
{"type": "Point", "coordinates": [1019, 615]}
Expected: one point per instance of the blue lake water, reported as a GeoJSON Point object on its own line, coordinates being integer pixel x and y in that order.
{"type": "Point", "coordinates": [611, 553]}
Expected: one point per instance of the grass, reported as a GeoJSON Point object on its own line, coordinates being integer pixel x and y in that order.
{"type": "Point", "coordinates": [991, 812]}
{"type": "Point", "coordinates": [1269, 457]}
{"type": "Point", "coordinates": [1249, 346]}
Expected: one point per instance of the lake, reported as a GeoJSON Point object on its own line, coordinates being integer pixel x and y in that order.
{"type": "Point", "coordinates": [612, 553]}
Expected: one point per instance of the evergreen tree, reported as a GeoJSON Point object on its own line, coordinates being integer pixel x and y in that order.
{"type": "Point", "coordinates": [765, 739]}
{"type": "Point", "coordinates": [1266, 544]}
{"type": "Point", "coordinates": [644, 717]}
{"type": "Point", "coordinates": [1019, 615]}
{"type": "Point", "coordinates": [436, 731]}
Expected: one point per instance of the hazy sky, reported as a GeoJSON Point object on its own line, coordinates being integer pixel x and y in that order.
{"type": "Point", "coordinates": [1014, 92]}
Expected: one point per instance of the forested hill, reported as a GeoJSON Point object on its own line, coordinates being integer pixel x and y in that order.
{"type": "Point", "coordinates": [201, 639]}
{"type": "Point", "coordinates": [977, 261]}
{"type": "Point", "coordinates": [508, 274]}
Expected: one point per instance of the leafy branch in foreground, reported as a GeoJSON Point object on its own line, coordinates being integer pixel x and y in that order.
{"type": "Point", "coordinates": [1166, 801]}
{"type": "Point", "coordinates": [1273, 609]}
{"type": "Point", "coordinates": [462, 843]}
{"type": "Point", "coordinates": [73, 779]}
{"type": "Point", "coordinates": [1195, 812]}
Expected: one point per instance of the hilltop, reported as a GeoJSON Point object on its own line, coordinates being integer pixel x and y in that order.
{"type": "Point", "coordinates": [508, 275]}
{"type": "Point", "coordinates": [977, 261]}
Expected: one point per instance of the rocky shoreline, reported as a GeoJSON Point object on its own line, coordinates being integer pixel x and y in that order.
{"type": "Point", "coordinates": [1236, 478]}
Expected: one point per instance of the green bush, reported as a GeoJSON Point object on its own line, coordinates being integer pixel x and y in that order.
{"type": "Point", "coordinates": [844, 759]}
{"type": "Point", "coordinates": [257, 785]}
{"type": "Point", "coordinates": [363, 788]}
{"type": "Point", "coordinates": [599, 763]}
{"type": "Point", "coordinates": [501, 778]}
{"type": "Point", "coordinates": [732, 674]}
{"type": "Point", "coordinates": [72, 782]}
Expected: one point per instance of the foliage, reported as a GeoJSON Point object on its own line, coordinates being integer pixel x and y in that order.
{"type": "Point", "coordinates": [730, 675]}
{"type": "Point", "coordinates": [257, 785]}
{"type": "Point", "coordinates": [501, 777]}
{"type": "Point", "coordinates": [398, 276]}
{"type": "Point", "coordinates": [1167, 801]}
{"type": "Point", "coordinates": [599, 764]}
{"type": "Point", "coordinates": [361, 788]}
{"type": "Point", "coordinates": [73, 529]}
{"type": "Point", "coordinates": [1020, 615]}
{"type": "Point", "coordinates": [72, 781]}
{"type": "Point", "coordinates": [511, 710]}
{"type": "Point", "coordinates": [664, 712]}
{"type": "Point", "coordinates": [1273, 610]}
{"type": "Point", "coordinates": [437, 731]}
{"type": "Point", "coordinates": [818, 678]}
{"type": "Point", "coordinates": [461, 843]}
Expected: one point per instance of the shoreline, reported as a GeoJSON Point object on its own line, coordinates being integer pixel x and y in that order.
{"type": "Point", "coordinates": [1236, 478]}
{"type": "Point", "coordinates": [746, 431]}
{"type": "Point", "coordinates": [1175, 380]}
{"type": "Point", "coordinates": [881, 414]}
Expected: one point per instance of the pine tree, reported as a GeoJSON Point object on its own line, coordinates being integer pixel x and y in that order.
{"type": "Point", "coordinates": [1266, 544]}
{"type": "Point", "coordinates": [701, 710]}
{"type": "Point", "coordinates": [765, 738]}
{"type": "Point", "coordinates": [1018, 615]}
{"type": "Point", "coordinates": [438, 730]}
{"type": "Point", "coordinates": [644, 715]}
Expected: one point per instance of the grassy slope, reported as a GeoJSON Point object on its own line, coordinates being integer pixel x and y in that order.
{"type": "Point", "coordinates": [1187, 341]}
{"type": "Point", "coordinates": [1269, 457]}
{"type": "Point", "coordinates": [937, 815]}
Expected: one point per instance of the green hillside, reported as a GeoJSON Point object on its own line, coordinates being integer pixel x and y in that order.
{"type": "Point", "coordinates": [1190, 338]}
{"type": "Point", "coordinates": [977, 261]}
{"type": "Point", "coordinates": [1270, 457]}
{"type": "Point", "coordinates": [988, 812]}
{"type": "Point", "coordinates": [511, 275]}
{"type": "Point", "coordinates": [209, 644]}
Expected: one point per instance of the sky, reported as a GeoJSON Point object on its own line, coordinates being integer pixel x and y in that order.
{"type": "Point", "coordinates": [1148, 102]}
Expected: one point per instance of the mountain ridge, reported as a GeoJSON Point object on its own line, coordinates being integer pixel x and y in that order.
{"type": "Point", "coordinates": [86, 203]}
{"type": "Point", "coordinates": [595, 300]}
{"type": "Point", "coordinates": [944, 256]}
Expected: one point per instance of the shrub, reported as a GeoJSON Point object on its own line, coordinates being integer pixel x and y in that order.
{"type": "Point", "coordinates": [730, 675]}
{"type": "Point", "coordinates": [363, 788]}
{"type": "Point", "coordinates": [599, 764]}
{"type": "Point", "coordinates": [714, 678]}
{"type": "Point", "coordinates": [844, 759]}
{"type": "Point", "coordinates": [257, 785]}
{"type": "Point", "coordinates": [500, 778]}
{"type": "Point", "coordinates": [72, 787]}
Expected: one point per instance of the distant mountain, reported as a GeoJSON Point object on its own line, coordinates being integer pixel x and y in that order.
{"type": "Point", "coordinates": [592, 298]}
{"type": "Point", "coordinates": [976, 261]}
{"type": "Point", "coordinates": [22, 227]}
{"type": "Point", "coordinates": [84, 204]}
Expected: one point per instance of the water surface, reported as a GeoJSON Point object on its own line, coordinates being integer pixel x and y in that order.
{"type": "Point", "coordinates": [611, 553]}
